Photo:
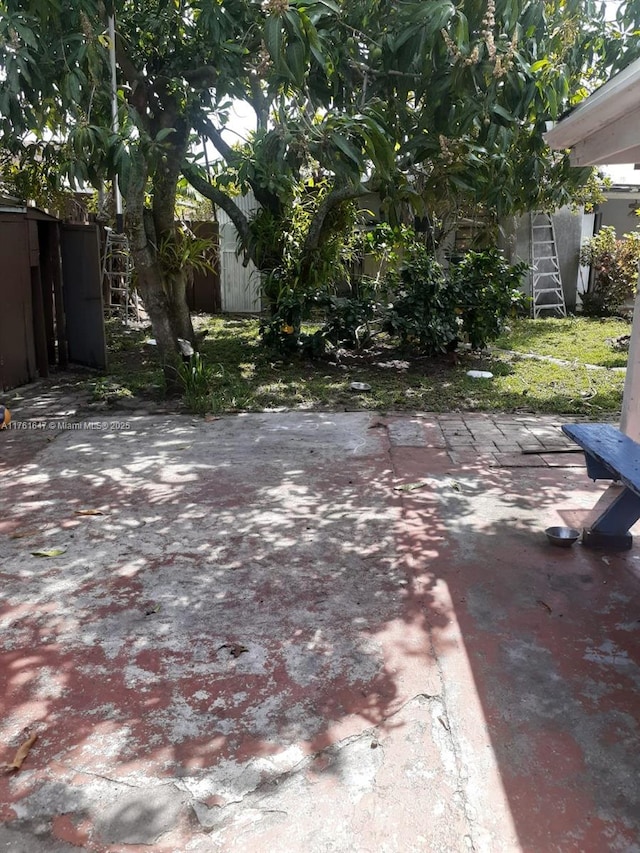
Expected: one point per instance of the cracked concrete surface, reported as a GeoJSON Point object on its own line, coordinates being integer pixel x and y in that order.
{"type": "Point", "coordinates": [246, 637]}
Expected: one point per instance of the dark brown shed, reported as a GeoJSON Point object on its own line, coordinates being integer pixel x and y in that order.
{"type": "Point", "coordinates": [41, 302]}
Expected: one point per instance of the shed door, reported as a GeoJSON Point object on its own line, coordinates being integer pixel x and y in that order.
{"type": "Point", "coordinates": [17, 350]}
{"type": "Point", "coordinates": [82, 292]}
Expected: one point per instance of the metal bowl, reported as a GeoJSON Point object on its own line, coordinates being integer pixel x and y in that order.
{"type": "Point", "coordinates": [563, 537]}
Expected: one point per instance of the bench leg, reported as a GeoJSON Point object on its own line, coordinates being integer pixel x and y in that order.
{"type": "Point", "coordinates": [596, 470]}
{"type": "Point", "coordinates": [611, 529]}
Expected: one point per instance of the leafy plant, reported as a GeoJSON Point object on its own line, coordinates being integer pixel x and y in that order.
{"type": "Point", "coordinates": [615, 271]}
{"type": "Point", "coordinates": [422, 309]}
{"type": "Point", "coordinates": [348, 320]}
{"type": "Point", "coordinates": [298, 276]}
{"type": "Point", "coordinates": [489, 292]}
{"type": "Point", "coordinates": [196, 379]}
{"type": "Point", "coordinates": [184, 251]}
{"type": "Point", "coordinates": [433, 310]}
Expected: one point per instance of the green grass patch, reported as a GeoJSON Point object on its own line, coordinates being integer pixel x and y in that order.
{"type": "Point", "coordinates": [244, 376]}
{"type": "Point", "coordinates": [581, 339]}
{"type": "Point", "coordinates": [133, 366]}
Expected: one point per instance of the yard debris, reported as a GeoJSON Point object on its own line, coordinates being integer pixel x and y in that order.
{"type": "Point", "coordinates": [545, 605]}
{"type": "Point", "coordinates": [411, 487]}
{"type": "Point", "coordinates": [22, 753]}
{"type": "Point", "coordinates": [151, 610]}
{"type": "Point", "coordinates": [455, 486]}
{"type": "Point", "coordinates": [377, 425]}
{"type": "Point", "coordinates": [235, 649]}
{"type": "Point", "coordinates": [394, 364]}
{"type": "Point", "coordinates": [359, 386]}
{"type": "Point", "coordinates": [620, 344]}
{"type": "Point", "coordinates": [89, 512]}
{"type": "Point", "coordinates": [480, 374]}
{"type": "Point", "coordinates": [49, 552]}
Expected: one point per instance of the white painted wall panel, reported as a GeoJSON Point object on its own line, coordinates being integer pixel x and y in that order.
{"type": "Point", "coordinates": [239, 285]}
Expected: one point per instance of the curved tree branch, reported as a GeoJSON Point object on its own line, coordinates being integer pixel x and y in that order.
{"type": "Point", "coordinates": [264, 197]}
{"type": "Point", "coordinates": [259, 102]}
{"type": "Point", "coordinates": [335, 197]}
{"type": "Point", "coordinates": [204, 77]}
{"type": "Point", "coordinates": [208, 129]}
{"type": "Point", "coordinates": [225, 203]}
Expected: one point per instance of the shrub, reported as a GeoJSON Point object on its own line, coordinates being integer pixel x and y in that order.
{"type": "Point", "coordinates": [615, 272]}
{"type": "Point", "coordinates": [347, 321]}
{"type": "Point", "coordinates": [489, 292]}
{"type": "Point", "coordinates": [422, 307]}
{"type": "Point", "coordinates": [434, 311]}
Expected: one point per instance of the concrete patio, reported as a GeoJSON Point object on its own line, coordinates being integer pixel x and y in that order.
{"type": "Point", "coordinates": [311, 632]}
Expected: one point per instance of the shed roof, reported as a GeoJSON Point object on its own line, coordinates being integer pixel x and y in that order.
{"type": "Point", "coordinates": [7, 207]}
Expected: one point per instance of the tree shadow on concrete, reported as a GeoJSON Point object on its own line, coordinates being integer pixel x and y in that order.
{"type": "Point", "coordinates": [246, 618]}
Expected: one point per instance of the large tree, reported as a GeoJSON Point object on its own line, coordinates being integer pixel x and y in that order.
{"type": "Point", "coordinates": [422, 101]}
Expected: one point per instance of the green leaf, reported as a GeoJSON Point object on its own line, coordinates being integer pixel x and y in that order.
{"type": "Point", "coordinates": [500, 111]}
{"type": "Point", "coordinates": [540, 64]}
{"type": "Point", "coordinates": [462, 185]}
{"type": "Point", "coordinates": [462, 30]}
{"type": "Point", "coordinates": [296, 61]}
{"type": "Point", "coordinates": [329, 4]}
{"type": "Point", "coordinates": [273, 37]}
{"type": "Point", "coordinates": [318, 56]}
{"type": "Point", "coordinates": [347, 148]}
{"type": "Point", "coordinates": [164, 133]}
{"type": "Point", "coordinates": [292, 18]}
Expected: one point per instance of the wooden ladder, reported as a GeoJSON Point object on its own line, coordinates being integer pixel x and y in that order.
{"type": "Point", "coordinates": [546, 286]}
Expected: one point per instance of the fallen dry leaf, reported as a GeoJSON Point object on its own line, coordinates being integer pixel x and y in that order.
{"type": "Point", "coordinates": [235, 649]}
{"type": "Point", "coordinates": [22, 753]}
{"type": "Point", "coordinates": [89, 512]}
{"type": "Point", "coordinates": [544, 604]}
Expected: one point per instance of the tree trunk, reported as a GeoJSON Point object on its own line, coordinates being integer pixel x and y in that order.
{"type": "Point", "coordinates": [179, 313]}
{"type": "Point", "coordinates": [158, 293]}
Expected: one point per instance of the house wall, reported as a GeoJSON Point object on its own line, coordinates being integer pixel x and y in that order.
{"type": "Point", "coordinates": [619, 212]}
{"type": "Point", "coordinates": [568, 232]}
{"type": "Point", "coordinates": [584, 271]}
{"type": "Point", "coordinates": [568, 229]}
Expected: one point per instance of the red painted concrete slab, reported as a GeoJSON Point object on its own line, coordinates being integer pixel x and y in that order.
{"type": "Point", "coordinates": [253, 638]}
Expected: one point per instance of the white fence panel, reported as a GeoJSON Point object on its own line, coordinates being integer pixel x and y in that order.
{"type": "Point", "coordinates": [239, 285]}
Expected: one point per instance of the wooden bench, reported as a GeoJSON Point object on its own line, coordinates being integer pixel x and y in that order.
{"type": "Point", "coordinates": [611, 455]}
